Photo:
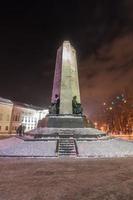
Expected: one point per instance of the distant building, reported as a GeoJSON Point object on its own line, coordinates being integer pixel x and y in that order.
{"type": "Point", "coordinates": [6, 107]}
{"type": "Point", "coordinates": [12, 114]}
{"type": "Point", "coordinates": [27, 115]}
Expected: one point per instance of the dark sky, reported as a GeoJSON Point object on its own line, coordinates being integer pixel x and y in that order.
{"type": "Point", "coordinates": [31, 32]}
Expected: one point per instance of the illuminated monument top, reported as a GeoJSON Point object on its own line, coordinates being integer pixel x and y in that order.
{"type": "Point", "coordinates": [66, 83]}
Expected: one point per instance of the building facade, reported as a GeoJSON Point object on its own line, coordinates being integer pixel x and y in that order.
{"type": "Point", "coordinates": [13, 114]}
{"type": "Point", "coordinates": [6, 107]}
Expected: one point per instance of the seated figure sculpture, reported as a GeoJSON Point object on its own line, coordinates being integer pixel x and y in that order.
{"type": "Point", "coordinates": [57, 103]}
{"type": "Point", "coordinates": [54, 108]}
{"type": "Point", "coordinates": [76, 107]}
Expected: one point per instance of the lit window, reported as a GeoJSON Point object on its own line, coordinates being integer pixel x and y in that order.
{"type": "Point", "coordinates": [25, 119]}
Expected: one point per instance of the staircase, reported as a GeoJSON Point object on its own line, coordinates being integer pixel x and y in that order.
{"type": "Point", "coordinates": [67, 147]}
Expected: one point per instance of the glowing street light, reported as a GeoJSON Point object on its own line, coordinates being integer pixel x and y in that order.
{"type": "Point", "coordinates": [95, 123]}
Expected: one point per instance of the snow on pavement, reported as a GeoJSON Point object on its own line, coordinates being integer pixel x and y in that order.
{"type": "Point", "coordinates": [105, 148]}
{"type": "Point", "coordinates": [101, 148]}
{"type": "Point", "coordinates": [17, 147]}
{"type": "Point", "coordinates": [8, 142]}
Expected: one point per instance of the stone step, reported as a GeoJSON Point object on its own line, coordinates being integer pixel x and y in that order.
{"type": "Point", "coordinates": [71, 148]}
{"type": "Point", "coordinates": [63, 146]}
{"type": "Point", "coordinates": [66, 142]}
{"type": "Point", "coordinates": [67, 150]}
{"type": "Point", "coordinates": [70, 144]}
{"type": "Point", "coordinates": [67, 154]}
{"type": "Point", "coordinates": [66, 147]}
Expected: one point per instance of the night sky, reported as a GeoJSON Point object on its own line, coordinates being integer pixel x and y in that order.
{"type": "Point", "coordinates": [30, 33]}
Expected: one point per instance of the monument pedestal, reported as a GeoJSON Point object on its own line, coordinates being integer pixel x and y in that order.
{"type": "Point", "coordinates": [65, 127]}
{"type": "Point", "coordinates": [65, 121]}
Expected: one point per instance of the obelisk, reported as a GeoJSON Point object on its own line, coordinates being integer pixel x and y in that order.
{"type": "Point", "coordinates": [66, 87]}
{"type": "Point", "coordinates": [66, 83]}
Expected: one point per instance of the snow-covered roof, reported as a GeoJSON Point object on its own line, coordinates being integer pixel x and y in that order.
{"type": "Point", "coordinates": [24, 105]}
{"type": "Point", "coordinates": [30, 106]}
{"type": "Point", "coordinates": [3, 100]}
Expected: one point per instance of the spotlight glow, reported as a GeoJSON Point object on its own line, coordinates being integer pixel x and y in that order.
{"type": "Point", "coordinates": [67, 54]}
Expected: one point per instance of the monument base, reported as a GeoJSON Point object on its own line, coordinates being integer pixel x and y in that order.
{"type": "Point", "coordinates": [75, 133]}
{"type": "Point", "coordinates": [65, 121]}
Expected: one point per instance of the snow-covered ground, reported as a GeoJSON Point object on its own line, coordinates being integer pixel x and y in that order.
{"type": "Point", "coordinates": [17, 147]}
{"type": "Point", "coordinates": [101, 148]}
{"type": "Point", "coordinates": [8, 142]}
{"type": "Point", "coordinates": [105, 148]}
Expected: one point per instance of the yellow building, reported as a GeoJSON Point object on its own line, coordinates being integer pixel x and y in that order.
{"type": "Point", "coordinates": [6, 107]}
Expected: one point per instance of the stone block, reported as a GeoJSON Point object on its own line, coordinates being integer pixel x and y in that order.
{"type": "Point", "coordinates": [65, 121]}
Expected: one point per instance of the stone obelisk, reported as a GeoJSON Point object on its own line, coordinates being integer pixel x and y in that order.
{"type": "Point", "coordinates": [66, 83]}
{"type": "Point", "coordinates": [66, 86]}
